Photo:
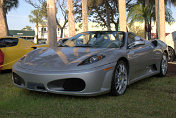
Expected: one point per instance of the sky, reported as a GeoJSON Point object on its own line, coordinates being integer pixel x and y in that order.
{"type": "Point", "coordinates": [18, 18]}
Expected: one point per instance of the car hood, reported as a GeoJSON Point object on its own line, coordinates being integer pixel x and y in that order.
{"type": "Point", "coordinates": [59, 59]}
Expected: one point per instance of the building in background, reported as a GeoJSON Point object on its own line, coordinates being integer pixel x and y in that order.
{"type": "Point", "coordinates": [28, 35]}
{"type": "Point", "coordinates": [43, 30]}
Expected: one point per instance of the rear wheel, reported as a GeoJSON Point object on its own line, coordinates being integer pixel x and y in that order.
{"type": "Point", "coordinates": [171, 55]}
{"type": "Point", "coordinates": [119, 80]}
{"type": "Point", "coordinates": [163, 65]}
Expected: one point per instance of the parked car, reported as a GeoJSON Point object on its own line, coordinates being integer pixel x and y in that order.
{"type": "Point", "coordinates": [92, 63]}
{"type": "Point", "coordinates": [14, 48]}
{"type": "Point", "coordinates": [171, 42]}
{"type": "Point", "coordinates": [1, 59]}
{"type": "Point", "coordinates": [62, 41]}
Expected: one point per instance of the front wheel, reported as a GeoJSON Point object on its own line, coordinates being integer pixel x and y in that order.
{"type": "Point", "coordinates": [119, 80]}
{"type": "Point", "coordinates": [163, 65]}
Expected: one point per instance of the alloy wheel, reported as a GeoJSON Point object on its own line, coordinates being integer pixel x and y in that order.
{"type": "Point", "coordinates": [121, 78]}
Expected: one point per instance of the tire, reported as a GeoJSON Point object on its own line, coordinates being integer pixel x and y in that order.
{"type": "Point", "coordinates": [171, 54]}
{"type": "Point", "coordinates": [163, 65]}
{"type": "Point", "coordinates": [120, 79]}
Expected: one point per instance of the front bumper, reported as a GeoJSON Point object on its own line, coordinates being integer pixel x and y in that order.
{"type": "Point", "coordinates": [97, 80]}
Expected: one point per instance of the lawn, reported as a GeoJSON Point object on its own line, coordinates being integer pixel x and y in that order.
{"type": "Point", "coordinates": [151, 97]}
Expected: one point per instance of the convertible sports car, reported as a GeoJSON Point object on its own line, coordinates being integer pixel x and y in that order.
{"type": "Point", "coordinates": [13, 49]}
{"type": "Point", "coordinates": [92, 63]}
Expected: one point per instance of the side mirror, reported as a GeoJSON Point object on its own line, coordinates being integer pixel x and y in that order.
{"type": "Point", "coordinates": [136, 43]}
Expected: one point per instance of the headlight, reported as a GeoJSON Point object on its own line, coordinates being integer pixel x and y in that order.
{"type": "Point", "coordinates": [92, 59]}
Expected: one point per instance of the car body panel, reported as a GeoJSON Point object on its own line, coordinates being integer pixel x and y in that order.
{"type": "Point", "coordinates": [45, 65]}
{"type": "Point", "coordinates": [171, 40]}
{"type": "Point", "coordinates": [14, 53]}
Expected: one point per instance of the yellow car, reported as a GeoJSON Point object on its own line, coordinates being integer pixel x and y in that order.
{"type": "Point", "coordinates": [14, 49]}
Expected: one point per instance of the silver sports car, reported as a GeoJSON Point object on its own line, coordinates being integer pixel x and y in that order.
{"type": "Point", "coordinates": [92, 63]}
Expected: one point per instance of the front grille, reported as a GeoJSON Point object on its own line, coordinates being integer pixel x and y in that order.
{"type": "Point", "coordinates": [70, 84]}
{"type": "Point", "coordinates": [18, 80]}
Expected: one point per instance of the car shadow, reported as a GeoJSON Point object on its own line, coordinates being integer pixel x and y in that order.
{"type": "Point", "coordinates": [6, 71]}
{"type": "Point", "coordinates": [51, 95]}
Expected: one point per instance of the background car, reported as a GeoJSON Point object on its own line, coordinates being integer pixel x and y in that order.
{"type": "Point", "coordinates": [14, 48]}
{"type": "Point", "coordinates": [92, 63]}
{"type": "Point", "coordinates": [62, 41]}
{"type": "Point", "coordinates": [171, 42]}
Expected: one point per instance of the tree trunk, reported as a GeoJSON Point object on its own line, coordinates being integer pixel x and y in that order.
{"type": "Point", "coordinates": [146, 3]}
{"type": "Point", "coordinates": [51, 16]}
{"type": "Point", "coordinates": [161, 28]}
{"type": "Point", "coordinates": [36, 36]}
{"type": "Point", "coordinates": [3, 22]}
{"type": "Point", "coordinates": [146, 29]}
{"type": "Point", "coordinates": [61, 34]}
{"type": "Point", "coordinates": [117, 25]}
{"type": "Point", "coordinates": [71, 19]}
{"type": "Point", "coordinates": [107, 15]}
{"type": "Point", "coordinates": [157, 16]}
{"type": "Point", "coordinates": [84, 15]}
{"type": "Point", "coordinates": [122, 15]}
{"type": "Point", "coordinates": [149, 30]}
{"type": "Point", "coordinates": [37, 32]}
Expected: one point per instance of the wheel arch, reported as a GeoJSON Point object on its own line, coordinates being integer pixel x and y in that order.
{"type": "Point", "coordinates": [165, 51]}
{"type": "Point", "coordinates": [172, 48]}
{"type": "Point", "coordinates": [126, 61]}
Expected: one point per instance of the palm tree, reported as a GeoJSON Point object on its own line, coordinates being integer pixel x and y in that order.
{"type": "Point", "coordinates": [5, 7]}
{"type": "Point", "coordinates": [173, 2]}
{"type": "Point", "coordinates": [84, 15]}
{"type": "Point", "coordinates": [71, 19]}
{"type": "Point", "coordinates": [36, 17]}
{"type": "Point", "coordinates": [146, 14]}
{"type": "Point", "coordinates": [51, 16]}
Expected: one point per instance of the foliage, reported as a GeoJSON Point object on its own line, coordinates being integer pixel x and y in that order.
{"type": "Point", "coordinates": [60, 5]}
{"type": "Point", "coordinates": [146, 13]}
{"type": "Point", "coordinates": [98, 14]}
{"type": "Point", "coordinates": [27, 28]}
{"type": "Point", "coordinates": [9, 4]}
{"type": "Point", "coordinates": [173, 2]}
{"type": "Point", "coordinates": [138, 30]}
{"type": "Point", "coordinates": [36, 17]}
{"type": "Point", "coordinates": [6, 6]}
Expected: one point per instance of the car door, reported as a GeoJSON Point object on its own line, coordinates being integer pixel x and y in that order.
{"type": "Point", "coordinates": [11, 52]}
{"type": "Point", "coordinates": [139, 58]}
{"type": "Point", "coordinates": [26, 46]}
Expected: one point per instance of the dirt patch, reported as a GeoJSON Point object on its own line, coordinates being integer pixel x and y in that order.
{"type": "Point", "coordinates": [171, 69]}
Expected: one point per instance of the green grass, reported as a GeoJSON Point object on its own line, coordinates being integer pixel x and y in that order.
{"type": "Point", "coordinates": [151, 97]}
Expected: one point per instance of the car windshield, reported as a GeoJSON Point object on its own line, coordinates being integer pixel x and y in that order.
{"type": "Point", "coordinates": [97, 40]}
